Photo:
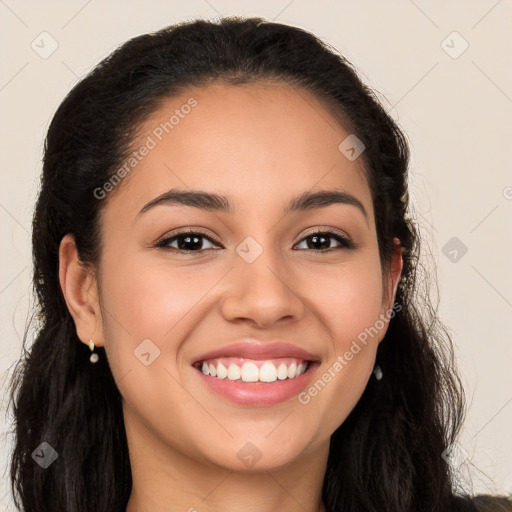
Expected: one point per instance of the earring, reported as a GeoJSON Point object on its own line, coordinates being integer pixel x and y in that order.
{"type": "Point", "coordinates": [377, 372]}
{"type": "Point", "coordinates": [94, 357]}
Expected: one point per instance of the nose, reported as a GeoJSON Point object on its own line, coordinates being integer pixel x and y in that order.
{"type": "Point", "coordinates": [262, 293]}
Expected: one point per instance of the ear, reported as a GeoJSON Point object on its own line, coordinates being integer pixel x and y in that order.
{"type": "Point", "coordinates": [393, 278]}
{"type": "Point", "coordinates": [80, 290]}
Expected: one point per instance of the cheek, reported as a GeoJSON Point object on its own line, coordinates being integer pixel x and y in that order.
{"type": "Point", "coordinates": [348, 300]}
{"type": "Point", "coordinates": [145, 308]}
{"type": "Point", "coordinates": [150, 298]}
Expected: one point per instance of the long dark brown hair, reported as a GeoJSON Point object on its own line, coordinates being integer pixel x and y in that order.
{"type": "Point", "coordinates": [390, 453]}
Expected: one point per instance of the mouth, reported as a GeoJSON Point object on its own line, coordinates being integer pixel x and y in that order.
{"type": "Point", "coordinates": [255, 373]}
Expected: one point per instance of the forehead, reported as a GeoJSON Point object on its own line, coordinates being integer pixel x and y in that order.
{"type": "Point", "coordinates": [257, 142]}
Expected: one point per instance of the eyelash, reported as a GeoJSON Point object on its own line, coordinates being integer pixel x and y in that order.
{"type": "Point", "coordinates": [345, 242]}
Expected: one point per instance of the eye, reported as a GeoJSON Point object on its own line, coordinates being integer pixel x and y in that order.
{"type": "Point", "coordinates": [186, 241]}
{"type": "Point", "coordinates": [324, 238]}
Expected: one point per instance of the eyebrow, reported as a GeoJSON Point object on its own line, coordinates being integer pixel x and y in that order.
{"type": "Point", "coordinates": [215, 202]}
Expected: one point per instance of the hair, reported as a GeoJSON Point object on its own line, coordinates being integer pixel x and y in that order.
{"type": "Point", "coordinates": [390, 452]}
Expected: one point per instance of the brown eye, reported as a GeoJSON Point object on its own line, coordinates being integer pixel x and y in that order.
{"type": "Point", "coordinates": [322, 240]}
{"type": "Point", "coordinates": [189, 241]}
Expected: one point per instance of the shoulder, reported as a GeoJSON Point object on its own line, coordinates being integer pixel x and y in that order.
{"type": "Point", "coordinates": [482, 503]}
{"type": "Point", "coordinates": [489, 503]}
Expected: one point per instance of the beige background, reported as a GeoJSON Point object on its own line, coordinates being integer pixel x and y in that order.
{"type": "Point", "coordinates": [456, 110]}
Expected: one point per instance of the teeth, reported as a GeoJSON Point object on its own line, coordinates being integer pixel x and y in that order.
{"type": "Point", "coordinates": [249, 372]}
{"type": "Point", "coordinates": [268, 373]}
{"type": "Point", "coordinates": [282, 371]}
{"type": "Point", "coordinates": [233, 372]}
{"type": "Point", "coordinates": [222, 371]}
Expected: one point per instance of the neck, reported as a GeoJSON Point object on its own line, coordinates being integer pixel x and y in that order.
{"type": "Point", "coordinates": [229, 492]}
{"type": "Point", "coordinates": [165, 479]}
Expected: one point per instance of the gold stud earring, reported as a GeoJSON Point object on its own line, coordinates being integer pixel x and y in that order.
{"type": "Point", "coordinates": [94, 357]}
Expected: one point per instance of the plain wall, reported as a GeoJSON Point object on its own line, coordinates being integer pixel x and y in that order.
{"type": "Point", "coordinates": [455, 109]}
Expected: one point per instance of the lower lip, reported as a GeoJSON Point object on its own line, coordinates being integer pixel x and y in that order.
{"type": "Point", "coordinates": [258, 393]}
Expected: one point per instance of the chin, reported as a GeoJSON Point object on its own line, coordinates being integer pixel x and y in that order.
{"type": "Point", "coordinates": [243, 455]}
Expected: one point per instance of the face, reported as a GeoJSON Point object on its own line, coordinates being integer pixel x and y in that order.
{"type": "Point", "coordinates": [286, 281]}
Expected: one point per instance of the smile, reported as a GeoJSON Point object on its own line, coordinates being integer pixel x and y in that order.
{"type": "Point", "coordinates": [253, 383]}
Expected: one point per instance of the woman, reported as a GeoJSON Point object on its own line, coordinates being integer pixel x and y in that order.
{"type": "Point", "coordinates": [226, 273]}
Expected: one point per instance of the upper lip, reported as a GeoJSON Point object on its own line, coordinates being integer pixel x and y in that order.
{"type": "Point", "coordinates": [250, 348]}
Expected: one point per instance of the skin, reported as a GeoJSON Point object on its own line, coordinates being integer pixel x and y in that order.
{"type": "Point", "coordinates": [261, 145]}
